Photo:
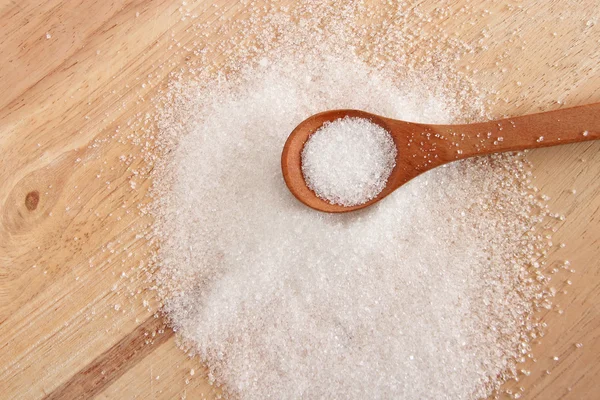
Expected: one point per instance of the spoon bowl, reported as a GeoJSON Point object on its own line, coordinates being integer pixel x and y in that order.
{"type": "Point", "coordinates": [421, 147]}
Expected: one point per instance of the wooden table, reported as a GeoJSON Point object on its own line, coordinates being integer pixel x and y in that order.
{"type": "Point", "coordinates": [74, 322]}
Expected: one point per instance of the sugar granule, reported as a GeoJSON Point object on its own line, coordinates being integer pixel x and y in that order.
{"type": "Point", "coordinates": [348, 161]}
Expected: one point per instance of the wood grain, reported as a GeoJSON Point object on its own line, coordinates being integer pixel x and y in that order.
{"type": "Point", "coordinates": [72, 299]}
{"type": "Point", "coordinates": [114, 362]}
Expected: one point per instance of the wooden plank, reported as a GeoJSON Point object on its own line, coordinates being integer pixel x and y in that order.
{"type": "Point", "coordinates": [69, 284]}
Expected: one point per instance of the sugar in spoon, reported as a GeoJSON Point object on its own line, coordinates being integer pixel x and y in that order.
{"type": "Point", "coordinates": [421, 147]}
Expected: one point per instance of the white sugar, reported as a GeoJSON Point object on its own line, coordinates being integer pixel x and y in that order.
{"type": "Point", "coordinates": [405, 300]}
{"type": "Point", "coordinates": [348, 161]}
{"type": "Point", "coordinates": [428, 294]}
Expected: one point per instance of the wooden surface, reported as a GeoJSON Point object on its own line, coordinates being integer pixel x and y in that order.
{"type": "Point", "coordinates": [73, 321]}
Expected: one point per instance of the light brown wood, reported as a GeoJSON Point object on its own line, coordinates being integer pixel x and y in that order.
{"type": "Point", "coordinates": [422, 147]}
{"type": "Point", "coordinates": [64, 97]}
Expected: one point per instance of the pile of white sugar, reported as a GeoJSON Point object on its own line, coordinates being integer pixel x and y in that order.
{"type": "Point", "coordinates": [428, 294]}
{"type": "Point", "coordinates": [419, 296]}
{"type": "Point", "coordinates": [348, 161]}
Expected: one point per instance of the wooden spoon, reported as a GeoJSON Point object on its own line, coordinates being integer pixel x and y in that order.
{"type": "Point", "coordinates": [422, 147]}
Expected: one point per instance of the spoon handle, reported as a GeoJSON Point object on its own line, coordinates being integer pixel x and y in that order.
{"type": "Point", "coordinates": [569, 125]}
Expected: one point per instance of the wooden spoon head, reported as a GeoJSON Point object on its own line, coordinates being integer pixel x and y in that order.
{"type": "Point", "coordinates": [291, 158]}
